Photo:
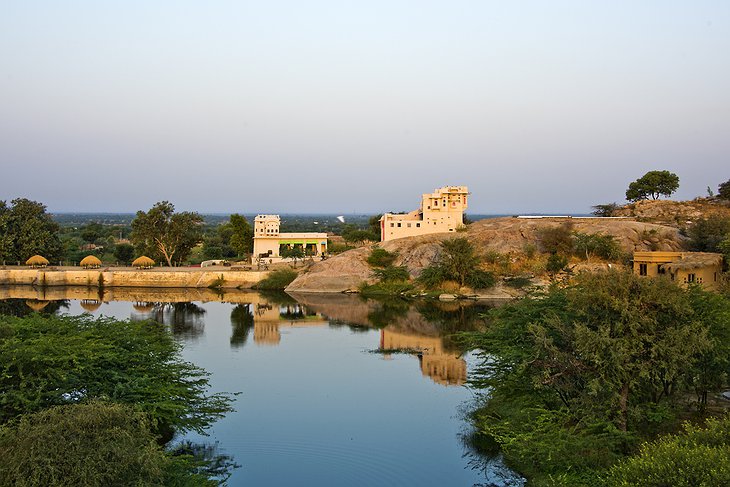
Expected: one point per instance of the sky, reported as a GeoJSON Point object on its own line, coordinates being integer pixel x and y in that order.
{"type": "Point", "coordinates": [359, 106]}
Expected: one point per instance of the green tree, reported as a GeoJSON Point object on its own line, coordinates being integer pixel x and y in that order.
{"type": "Point", "coordinates": [605, 210]}
{"type": "Point", "coordinates": [84, 445]}
{"type": "Point", "coordinates": [706, 234]}
{"type": "Point", "coordinates": [92, 232]}
{"type": "Point", "coordinates": [55, 360]}
{"type": "Point", "coordinates": [241, 238]}
{"type": "Point", "coordinates": [653, 184]}
{"type": "Point", "coordinates": [723, 191]}
{"type": "Point", "coordinates": [295, 252]}
{"type": "Point", "coordinates": [698, 457]}
{"type": "Point", "coordinates": [124, 253]}
{"type": "Point", "coordinates": [576, 373]}
{"type": "Point", "coordinates": [458, 261]}
{"type": "Point", "coordinates": [374, 225]}
{"type": "Point", "coordinates": [162, 233]}
{"type": "Point", "coordinates": [380, 257]}
{"type": "Point", "coordinates": [26, 229]}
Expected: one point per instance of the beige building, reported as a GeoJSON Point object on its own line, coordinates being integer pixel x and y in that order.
{"type": "Point", "coordinates": [441, 366]}
{"type": "Point", "coordinates": [703, 268]}
{"type": "Point", "coordinates": [441, 211]}
{"type": "Point", "coordinates": [268, 242]}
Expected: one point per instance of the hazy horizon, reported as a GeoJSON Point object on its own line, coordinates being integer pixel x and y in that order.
{"type": "Point", "coordinates": [359, 107]}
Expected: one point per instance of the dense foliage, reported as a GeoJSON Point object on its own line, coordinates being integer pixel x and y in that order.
{"type": "Point", "coordinates": [604, 210]}
{"type": "Point", "coordinates": [55, 360]}
{"type": "Point", "coordinates": [578, 374]}
{"type": "Point", "coordinates": [25, 230]}
{"type": "Point", "coordinates": [707, 234]}
{"type": "Point", "coordinates": [277, 280]}
{"type": "Point", "coordinates": [161, 233]}
{"type": "Point", "coordinates": [89, 444]}
{"type": "Point", "coordinates": [653, 184]}
{"type": "Point", "coordinates": [458, 261]}
{"type": "Point", "coordinates": [723, 191]}
{"type": "Point", "coordinates": [698, 457]}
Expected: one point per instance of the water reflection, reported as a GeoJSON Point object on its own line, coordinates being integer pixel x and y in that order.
{"type": "Point", "coordinates": [304, 377]}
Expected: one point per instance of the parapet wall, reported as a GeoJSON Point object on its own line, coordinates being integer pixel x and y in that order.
{"type": "Point", "coordinates": [132, 278]}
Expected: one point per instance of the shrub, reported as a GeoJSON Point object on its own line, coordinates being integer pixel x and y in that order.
{"type": "Point", "coordinates": [276, 280]}
{"type": "Point", "coordinates": [557, 239]}
{"type": "Point", "coordinates": [707, 233]}
{"type": "Point", "coordinates": [381, 258]}
{"type": "Point", "coordinates": [604, 210]}
{"type": "Point", "coordinates": [392, 274]}
{"type": "Point", "coordinates": [603, 246]}
{"type": "Point", "coordinates": [556, 263]}
{"type": "Point", "coordinates": [696, 457]}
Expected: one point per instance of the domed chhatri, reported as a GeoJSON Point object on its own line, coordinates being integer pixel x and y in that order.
{"type": "Point", "coordinates": [37, 261]}
{"type": "Point", "coordinates": [90, 262]}
{"type": "Point", "coordinates": [143, 262]}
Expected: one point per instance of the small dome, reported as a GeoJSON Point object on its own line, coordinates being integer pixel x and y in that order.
{"type": "Point", "coordinates": [90, 261]}
{"type": "Point", "coordinates": [90, 305]}
{"type": "Point", "coordinates": [36, 305]}
{"type": "Point", "coordinates": [143, 262]}
{"type": "Point", "coordinates": [37, 261]}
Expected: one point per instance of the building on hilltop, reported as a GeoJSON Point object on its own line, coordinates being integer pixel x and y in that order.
{"type": "Point", "coordinates": [269, 243]}
{"type": "Point", "coordinates": [440, 211]}
{"type": "Point", "coordinates": [703, 268]}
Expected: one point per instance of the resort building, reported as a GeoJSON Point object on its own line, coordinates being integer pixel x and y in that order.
{"type": "Point", "coordinates": [703, 268]}
{"type": "Point", "coordinates": [269, 243]}
{"type": "Point", "coordinates": [440, 211]}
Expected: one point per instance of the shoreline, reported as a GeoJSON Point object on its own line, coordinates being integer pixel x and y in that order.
{"type": "Point", "coordinates": [160, 277]}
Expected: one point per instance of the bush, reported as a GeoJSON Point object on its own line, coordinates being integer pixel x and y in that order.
{"type": "Point", "coordinates": [556, 263]}
{"type": "Point", "coordinates": [381, 258]}
{"type": "Point", "coordinates": [457, 262]}
{"type": "Point", "coordinates": [707, 233]}
{"type": "Point", "coordinates": [697, 457]}
{"type": "Point", "coordinates": [277, 280]}
{"type": "Point", "coordinates": [431, 277]}
{"type": "Point", "coordinates": [58, 360]}
{"type": "Point", "coordinates": [604, 210]}
{"type": "Point", "coordinates": [599, 245]}
{"type": "Point", "coordinates": [723, 191]}
{"type": "Point", "coordinates": [392, 274]}
{"type": "Point", "coordinates": [556, 240]}
{"type": "Point", "coordinates": [84, 445]}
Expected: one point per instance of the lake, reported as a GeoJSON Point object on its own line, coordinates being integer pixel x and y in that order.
{"type": "Point", "coordinates": [334, 389]}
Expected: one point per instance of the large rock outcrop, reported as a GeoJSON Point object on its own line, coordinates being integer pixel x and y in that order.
{"type": "Point", "coordinates": [348, 270]}
{"type": "Point", "coordinates": [675, 213]}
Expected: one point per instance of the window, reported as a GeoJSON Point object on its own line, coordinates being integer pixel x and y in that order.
{"type": "Point", "coordinates": [642, 269]}
{"type": "Point", "coordinates": [418, 225]}
{"type": "Point", "coordinates": [409, 225]}
{"type": "Point", "coordinates": [399, 225]}
{"type": "Point", "coordinates": [392, 225]}
{"type": "Point", "coordinates": [690, 278]}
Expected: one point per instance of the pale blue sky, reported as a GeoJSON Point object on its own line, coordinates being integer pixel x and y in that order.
{"type": "Point", "coordinates": [342, 106]}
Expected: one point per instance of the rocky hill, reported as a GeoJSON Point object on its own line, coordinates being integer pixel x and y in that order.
{"type": "Point", "coordinates": [510, 236]}
{"type": "Point", "coordinates": [675, 213]}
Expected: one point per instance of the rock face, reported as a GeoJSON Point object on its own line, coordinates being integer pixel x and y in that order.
{"type": "Point", "coordinates": [348, 270]}
{"type": "Point", "coordinates": [674, 213]}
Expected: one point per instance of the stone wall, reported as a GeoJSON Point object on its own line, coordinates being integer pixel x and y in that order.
{"type": "Point", "coordinates": [131, 278]}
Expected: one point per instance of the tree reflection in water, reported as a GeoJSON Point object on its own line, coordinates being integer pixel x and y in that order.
{"type": "Point", "coordinates": [208, 459]}
{"type": "Point", "coordinates": [242, 323]}
{"type": "Point", "coordinates": [185, 320]}
{"type": "Point", "coordinates": [24, 307]}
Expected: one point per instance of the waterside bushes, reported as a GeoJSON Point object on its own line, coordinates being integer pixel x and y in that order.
{"type": "Point", "coordinates": [121, 385]}
{"type": "Point", "coordinates": [578, 376]}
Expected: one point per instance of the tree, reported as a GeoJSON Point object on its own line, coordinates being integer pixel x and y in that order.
{"type": "Point", "coordinates": [654, 184]}
{"type": "Point", "coordinates": [47, 361]}
{"type": "Point", "coordinates": [26, 229]}
{"type": "Point", "coordinates": [707, 233]}
{"type": "Point", "coordinates": [294, 252]}
{"type": "Point", "coordinates": [82, 444]}
{"type": "Point", "coordinates": [458, 261]}
{"type": "Point", "coordinates": [92, 232]}
{"type": "Point", "coordinates": [124, 253]}
{"type": "Point", "coordinates": [241, 238]}
{"type": "Point", "coordinates": [723, 191]}
{"type": "Point", "coordinates": [605, 210]}
{"type": "Point", "coordinates": [374, 225]}
{"type": "Point", "coordinates": [165, 234]}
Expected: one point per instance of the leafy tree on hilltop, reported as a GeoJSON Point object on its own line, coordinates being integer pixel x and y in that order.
{"type": "Point", "coordinates": [653, 184]}
{"type": "Point", "coordinates": [723, 191]}
{"type": "Point", "coordinates": [163, 233]}
{"type": "Point", "coordinates": [26, 229]}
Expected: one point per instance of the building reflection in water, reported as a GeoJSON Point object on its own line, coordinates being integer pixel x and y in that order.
{"type": "Point", "coordinates": [443, 367]}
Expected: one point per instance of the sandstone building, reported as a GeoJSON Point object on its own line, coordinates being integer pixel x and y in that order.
{"type": "Point", "coordinates": [440, 211]}
{"type": "Point", "coordinates": [268, 242]}
{"type": "Point", "coordinates": [702, 268]}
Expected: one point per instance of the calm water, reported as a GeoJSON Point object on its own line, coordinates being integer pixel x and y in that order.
{"type": "Point", "coordinates": [335, 390]}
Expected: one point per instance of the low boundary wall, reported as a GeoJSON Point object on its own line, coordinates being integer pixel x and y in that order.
{"type": "Point", "coordinates": [168, 278]}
